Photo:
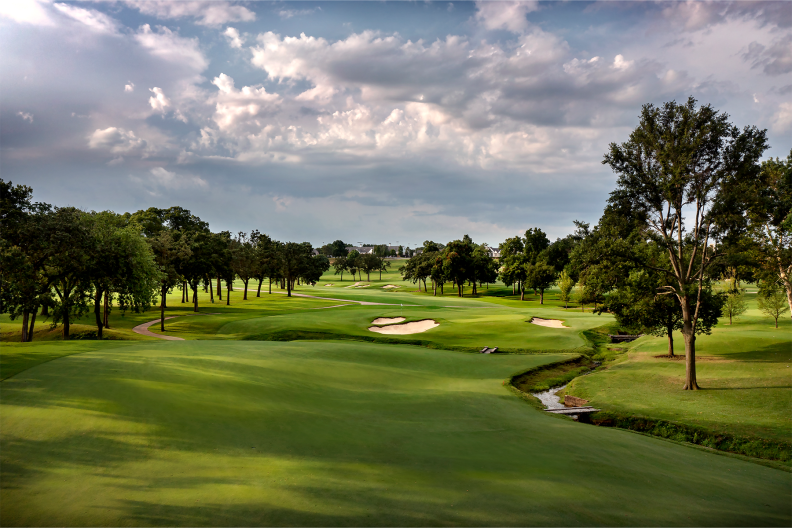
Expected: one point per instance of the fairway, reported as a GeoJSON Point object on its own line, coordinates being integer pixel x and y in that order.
{"type": "Point", "coordinates": [337, 433]}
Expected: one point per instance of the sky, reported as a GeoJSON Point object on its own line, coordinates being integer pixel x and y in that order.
{"type": "Point", "coordinates": [373, 122]}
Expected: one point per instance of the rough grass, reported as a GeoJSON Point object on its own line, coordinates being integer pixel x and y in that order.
{"type": "Point", "coordinates": [210, 433]}
{"type": "Point", "coordinates": [743, 370]}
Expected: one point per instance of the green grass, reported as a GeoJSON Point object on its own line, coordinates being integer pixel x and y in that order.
{"type": "Point", "coordinates": [337, 433]}
{"type": "Point", "coordinates": [745, 371]}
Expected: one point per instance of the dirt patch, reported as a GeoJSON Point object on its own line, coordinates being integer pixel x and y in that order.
{"type": "Point", "coordinates": [387, 320]}
{"type": "Point", "coordinates": [389, 286]}
{"type": "Point", "coordinates": [415, 327]}
{"type": "Point", "coordinates": [681, 357]}
{"type": "Point", "coordinates": [328, 284]}
{"type": "Point", "coordinates": [549, 323]}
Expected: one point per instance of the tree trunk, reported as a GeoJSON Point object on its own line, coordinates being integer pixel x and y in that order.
{"type": "Point", "coordinates": [25, 316]}
{"type": "Point", "coordinates": [45, 310]}
{"type": "Point", "coordinates": [228, 295]}
{"type": "Point", "coordinates": [33, 324]}
{"type": "Point", "coordinates": [522, 293]}
{"type": "Point", "coordinates": [258, 292]}
{"type": "Point", "coordinates": [195, 298]}
{"type": "Point", "coordinates": [670, 331]}
{"type": "Point", "coordinates": [211, 293]}
{"type": "Point", "coordinates": [541, 296]}
{"type": "Point", "coordinates": [162, 309]}
{"type": "Point", "coordinates": [98, 312]}
{"type": "Point", "coordinates": [244, 293]}
{"type": "Point", "coordinates": [270, 285]}
{"type": "Point", "coordinates": [460, 287]}
{"type": "Point", "coordinates": [184, 292]}
{"type": "Point", "coordinates": [288, 288]}
{"type": "Point", "coordinates": [219, 289]}
{"type": "Point", "coordinates": [106, 309]}
{"type": "Point", "coordinates": [690, 357]}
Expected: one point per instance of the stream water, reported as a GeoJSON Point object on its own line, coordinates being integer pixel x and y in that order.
{"type": "Point", "coordinates": [549, 398]}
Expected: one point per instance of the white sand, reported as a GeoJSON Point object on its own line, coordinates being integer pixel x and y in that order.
{"type": "Point", "coordinates": [550, 323]}
{"type": "Point", "coordinates": [390, 286]}
{"type": "Point", "coordinates": [354, 285]}
{"type": "Point", "coordinates": [387, 320]}
{"type": "Point", "coordinates": [328, 284]}
{"type": "Point", "coordinates": [406, 328]}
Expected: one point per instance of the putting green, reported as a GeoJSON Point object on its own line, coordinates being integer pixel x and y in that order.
{"type": "Point", "coordinates": [337, 433]}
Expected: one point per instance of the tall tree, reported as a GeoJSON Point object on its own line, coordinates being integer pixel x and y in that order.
{"type": "Point", "coordinates": [541, 276]}
{"type": "Point", "coordinates": [169, 250]}
{"type": "Point", "coordinates": [244, 260]}
{"type": "Point", "coordinates": [68, 266]}
{"type": "Point", "coordinates": [772, 300]}
{"type": "Point", "coordinates": [770, 215]}
{"type": "Point", "coordinates": [680, 168]}
{"type": "Point", "coordinates": [340, 266]}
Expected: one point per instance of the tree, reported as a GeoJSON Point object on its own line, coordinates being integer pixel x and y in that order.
{"type": "Point", "coordinates": [484, 269]}
{"type": "Point", "coordinates": [541, 276]}
{"type": "Point", "coordinates": [368, 263]}
{"type": "Point", "coordinates": [293, 262]}
{"type": "Point", "coordinates": [340, 266]}
{"type": "Point", "coordinates": [458, 262]}
{"type": "Point", "coordinates": [770, 215]}
{"type": "Point", "coordinates": [120, 262]}
{"type": "Point", "coordinates": [264, 254]}
{"type": "Point", "coordinates": [339, 249]}
{"type": "Point", "coordinates": [680, 168]}
{"type": "Point", "coordinates": [23, 253]}
{"type": "Point", "coordinates": [244, 260]}
{"type": "Point", "coordinates": [68, 264]}
{"type": "Point", "coordinates": [316, 266]}
{"type": "Point", "coordinates": [566, 284]}
{"type": "Point", "coordinates": [536, 242]}
{"type": "Point", "coordinates": [382, 266]}
{"type": "Point", "coordinates": [772, 301]}
{"type": "Point", "coordinates": [734, 302]}
{"type": "Point", "coordinates": [419, 267]}
{"type": "Point", "coordinates": [169, 250]}
{"type": "Point", "coordinates": [353, 259]}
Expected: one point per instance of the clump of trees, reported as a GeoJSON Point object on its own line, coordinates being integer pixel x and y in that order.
{"type": "Point", "coordinates": [59, 263]}
{"type": "Point", "coordinates": [461, 263]}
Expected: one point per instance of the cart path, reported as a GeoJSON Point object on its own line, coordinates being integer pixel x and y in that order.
{"type": "Point", "coordinates": [364, 303]}
{"type": "Point", "coordinates": [143, 329]}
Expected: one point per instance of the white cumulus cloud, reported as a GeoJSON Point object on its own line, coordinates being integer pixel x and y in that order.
{"type": "Point", "coordinates": [96, 21]}
{"type": "Point", "coordinates": [511, 16]}
{"type": "Point", "coordinates": [130, 87]}
{"type": "Point", "coordinates": [233, 37]}
{"type": "Point", "coordinates": [158, 102]}
{"type": "Point", "coordinates": [169, 46]}
{"type": "Point", "coordinates": [116, 140]}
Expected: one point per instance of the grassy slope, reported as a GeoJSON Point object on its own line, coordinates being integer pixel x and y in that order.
{"type": "Point", "coordinates": [307, 433]}
{"type": "Point", "coordinates": [744, 369]}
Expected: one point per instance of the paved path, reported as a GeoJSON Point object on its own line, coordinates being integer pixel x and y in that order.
{"type": "Point", "coordinates": [365, 303]}
{"type": "Point", "coordinates": [143, 329]}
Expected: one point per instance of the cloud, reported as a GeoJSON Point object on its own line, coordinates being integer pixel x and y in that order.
{"type": "Point", "coordinates": [129, 87]}
{"type": "Point", "coordinates": [775, 59]}
{"type": "Point", "coordinates": [96, 21]}
{"type": "Point", "coordinates": [171, 180]}
{"type": "Point", "coordinates": [170, 47]}
{"type": "Point", "coordinates": [782, 120]}
{"type": "Point", "coordinates": [26, 12]}
{"type": "Point", "coordinates": [290, 13]}
{"type": "Point", "coordinates": [698, 15]}
{"type": "Point", "coordinates": [26, 116]}
{"type": "Point", "coordinates": [233, 37]}
{"type": "Point", "coordinates": [511, 16]}
{"type": "Point", "coordinates": [116, 140]}
{"type": "Point", "coordinates": [159, 102]}
{"type": "Point", "coordinates": [204, 13]}
{"type": "Point", "coordinates": [235, 108]}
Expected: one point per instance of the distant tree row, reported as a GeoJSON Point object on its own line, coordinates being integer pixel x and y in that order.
{"type": "Point", "coordinates": [59, 262]}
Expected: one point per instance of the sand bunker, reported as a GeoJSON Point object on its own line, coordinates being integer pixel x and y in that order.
{"type": "Point", "coordinates": [406, 328]}
{"type": "Point", "coordinates": [328, 284]}
{"type": "Point", "coordinates": [550, 323]}
{"type": "Point", "coordinates": [356, 285]}
{"type": "Point", "coordinates": [387, 320]}
{"type": "Point", "coordinates": [389, 286]}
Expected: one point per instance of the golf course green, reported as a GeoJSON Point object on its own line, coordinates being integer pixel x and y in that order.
{"type": "Point", "coordinates": [287, 411]}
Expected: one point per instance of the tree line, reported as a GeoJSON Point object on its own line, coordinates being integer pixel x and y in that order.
{"type": "Point", "coordinates": [61, 262]}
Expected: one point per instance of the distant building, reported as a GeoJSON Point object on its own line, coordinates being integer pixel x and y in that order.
{"type": "Point", "coordinates": [494, 252]}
